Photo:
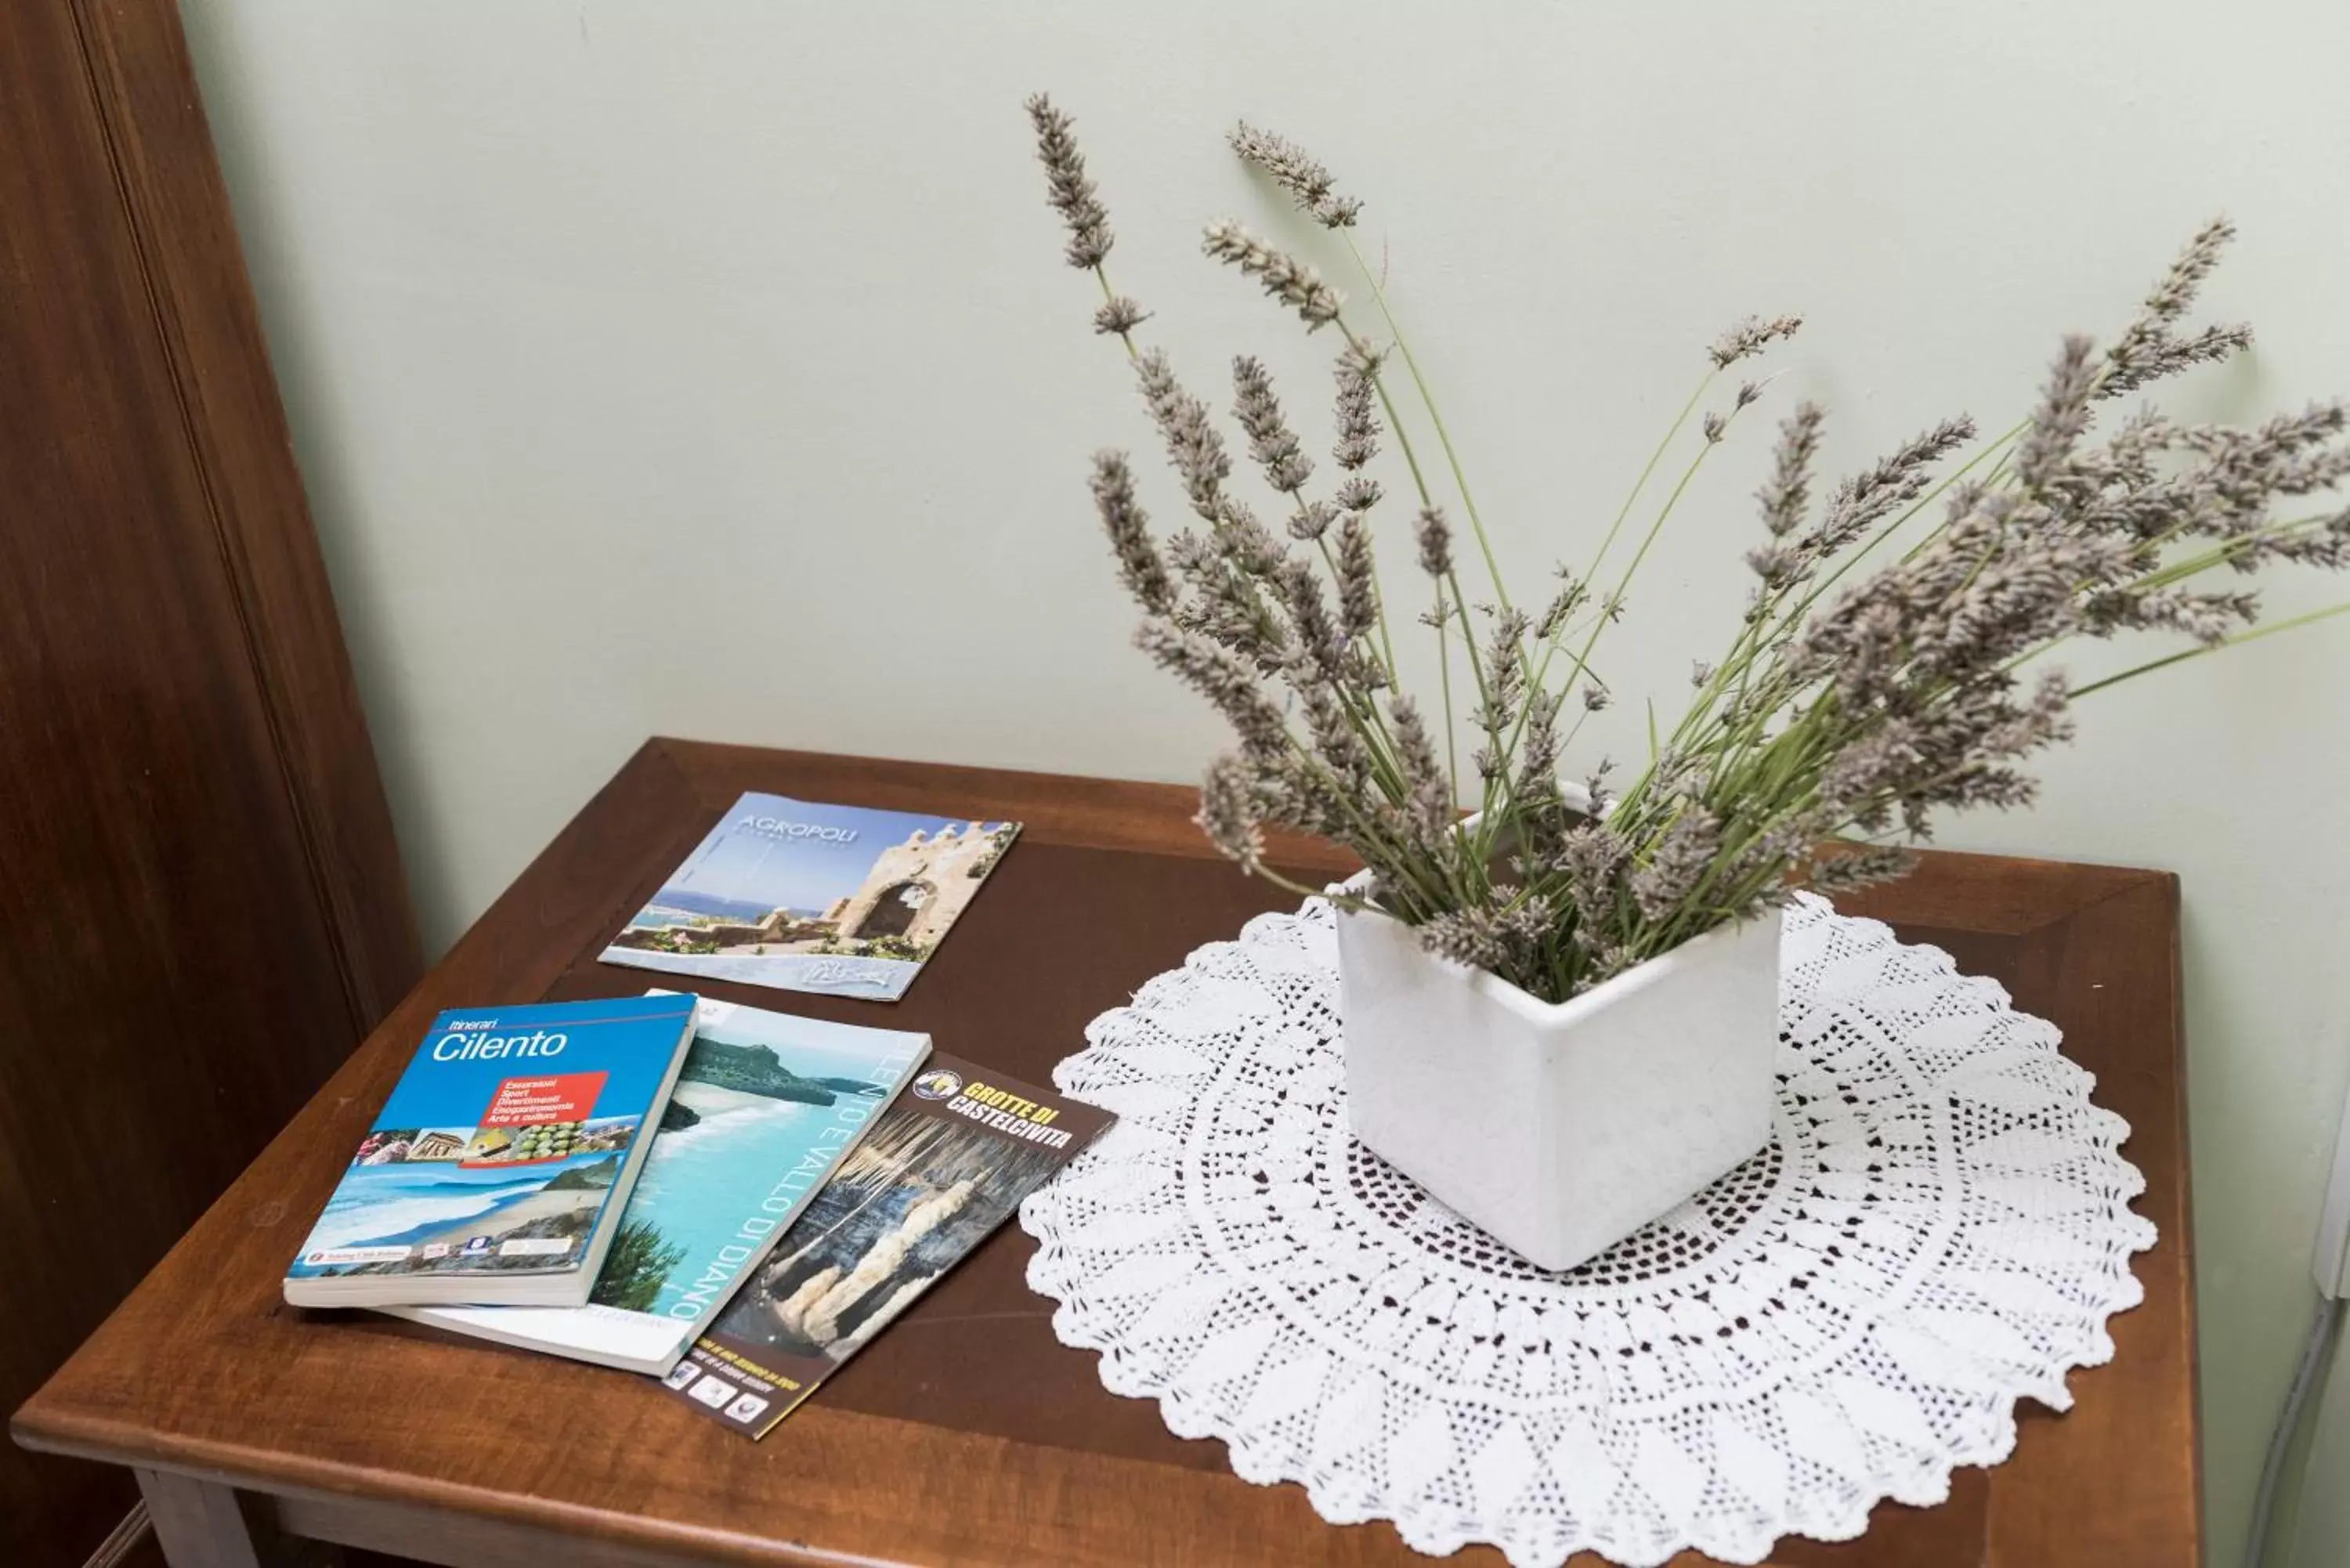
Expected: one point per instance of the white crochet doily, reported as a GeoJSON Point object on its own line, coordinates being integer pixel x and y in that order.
{"type": "Point", "coordinates": [1941, 1225]}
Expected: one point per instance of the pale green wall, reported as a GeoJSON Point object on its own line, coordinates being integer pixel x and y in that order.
{"type": "Point", "coordinates": [2317, 1536]}
{"type": "Point", "coordinates": [706, 369]}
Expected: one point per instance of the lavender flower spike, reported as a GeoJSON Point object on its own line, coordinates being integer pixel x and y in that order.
{"type": "Point", "coordinates": [1285, 277]}
{"type": "Point", "coordinates": [2148, 349]}
{"type": "Point", "coordinates": [1749, 338]}
{"type": "Point", "coordinates": [1271, 441]}
{"type": "Point", "coordinates": [1119, 316]}
{"type": "Point", "coordinates": [1192, 444]}
{"type": "Point", "coordinates": [1138, 565]}
{"type": "Point", "coordinates": [1227, 813]}
{"type": "Point", "coordinates": [1787, 494]}
{"type": "Point", "coordinates": [1428, 786]}
{"type": "Point", "coordinates": [1223, 680]}
{"type": "Point", "coordinates": [1067, 190]}
{"type": "Point", "coordinates": [1289, 166]}
{"type": "Point", "coordinates": [2061, 418]}
{"type": "Point", "coordinates": [1435, 542]}
{"type": "Point", "coordinates": [2179, 285]}
{"type": "Point", "coordinates": [1358, 423]}
{"type": "Point", "coordinates": [1358, 593]}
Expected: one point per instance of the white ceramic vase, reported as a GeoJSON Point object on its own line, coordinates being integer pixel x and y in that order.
{"type": "Point", "coordinates": [1559, 1128]}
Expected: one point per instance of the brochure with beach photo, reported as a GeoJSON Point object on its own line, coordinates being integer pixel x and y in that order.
{"type": "Point", "coordinates": [842, 900]}
{"type": "Point", "coordinates": [498, 1169]}
{"type": "Point", "coordinates": [939, 1172]}
{"type": "Point", "coordinates": [766, 1105]}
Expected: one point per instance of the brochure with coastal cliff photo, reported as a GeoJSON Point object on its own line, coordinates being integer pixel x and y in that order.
{"type": "Point", "coordinates": [766, 1107]}
{"type": "Point", "coordinates": [942, 1169]}
{"type": "Point", "coordinates": [842, 900]}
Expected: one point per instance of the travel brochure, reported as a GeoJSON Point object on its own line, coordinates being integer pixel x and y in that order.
{"type": "Point", "coordinates": [764, 1109]}
{"type": "Point", "coordinates": [841, 900]}
{"type": "Point", "coordinates": [496, 1168]}
{"type": "Point", "coordinates": [732, 1201]}
{"type": "Point", "coordinates": [945, 1165]}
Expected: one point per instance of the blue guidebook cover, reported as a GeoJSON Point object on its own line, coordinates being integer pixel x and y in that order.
{"type": "Point", "coordinates": [765, 1106]}
{"type": "Point", "coordinates": [497, 1169]}
{"type": "Point", "coordinates": [842, 900]}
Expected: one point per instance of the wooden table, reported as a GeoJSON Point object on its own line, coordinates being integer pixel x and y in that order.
{"type": "Point", "coordinates": [967, 1433]}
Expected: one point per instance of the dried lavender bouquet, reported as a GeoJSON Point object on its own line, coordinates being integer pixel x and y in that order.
{"type": "Point", "coordinates": [1847, 706]}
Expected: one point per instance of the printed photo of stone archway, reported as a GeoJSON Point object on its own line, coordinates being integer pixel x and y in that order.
{"type": "Point", "coordinates": [843, 900]}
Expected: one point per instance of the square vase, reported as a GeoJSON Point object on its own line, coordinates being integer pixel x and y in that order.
{"type": "Point", "coordinates": [1559, 1128]}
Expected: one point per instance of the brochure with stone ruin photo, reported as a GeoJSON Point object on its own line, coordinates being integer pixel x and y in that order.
{"type": "Point", "coordinates": [945, 1164]}
{"type": "Point", "coordinates": [841, 900]}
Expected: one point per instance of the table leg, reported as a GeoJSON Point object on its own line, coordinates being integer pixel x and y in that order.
{"type": "Point", "coordinates": [204, 1524]}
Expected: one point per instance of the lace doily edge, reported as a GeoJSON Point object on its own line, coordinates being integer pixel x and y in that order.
{"type": "Point", "coordinates": [1431, 1530]}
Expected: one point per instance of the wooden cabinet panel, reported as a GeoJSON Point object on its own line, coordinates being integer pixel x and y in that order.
{"type": "Point", "coordinates": [200, 907]}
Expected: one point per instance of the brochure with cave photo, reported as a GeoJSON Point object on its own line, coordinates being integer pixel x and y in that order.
{"type": "Point", "coordinates": [942, 1169]}
{"type": "Point", "coordinates": [839, 900]}
{"type": "Point", "coordinates": [766, 1107]}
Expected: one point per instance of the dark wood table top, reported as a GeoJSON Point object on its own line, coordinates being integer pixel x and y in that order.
{"type": "Point", "coordinates": [967, 1433]}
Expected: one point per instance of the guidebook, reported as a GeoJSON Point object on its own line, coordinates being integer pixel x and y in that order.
{"type": "Point", "coordinates": [766, 1105]}
{"type": "Point", "coordinates": [498, 1169]}
{"type": "Point", "coordinates": [938, 1173]}
{"type": "Point", "coordinates": [838, 899]}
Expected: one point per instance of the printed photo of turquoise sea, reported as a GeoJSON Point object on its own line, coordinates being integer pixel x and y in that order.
{"type": "Point", "coordinates": [840, 900]}
{"type": "Point", "coordinates": [764, 1107]}
{"type": "Point", "coordinates": [407, 1189]}
{"type": "Point", "coordinates": [429, 1201]}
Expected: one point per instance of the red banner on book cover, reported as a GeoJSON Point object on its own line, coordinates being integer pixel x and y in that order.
{"type": "Point", "coordinates": [526, 1102]}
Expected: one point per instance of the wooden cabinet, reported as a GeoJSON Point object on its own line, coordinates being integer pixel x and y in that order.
{"type": "Point", "coordinates": [200, 905]}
